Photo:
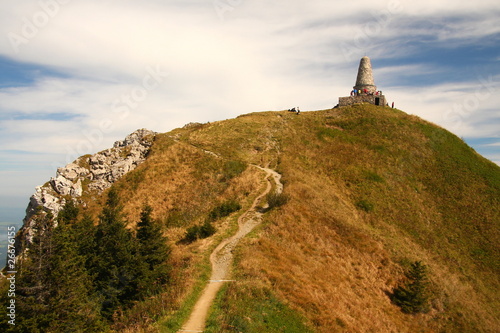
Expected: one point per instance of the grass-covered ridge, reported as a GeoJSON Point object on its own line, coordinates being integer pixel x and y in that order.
{"type": "Point", "coordinates": [371, 190]}
{"type": "Point", "coordinates": [368, 191]}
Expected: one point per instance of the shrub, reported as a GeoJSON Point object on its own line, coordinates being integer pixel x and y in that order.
{"type": "Point", "coordinates": [223, 210]}
{"type": "Point", "coordinates": [192, 234]}
{"type": "Point", "coordinates": [206, 230]}
{"type": "Point", "coordinates": [232, 169]}
{"type": "Point", "coordinates": [365, 205]}
{"type": "Point", "coordinates": [413, 296]}
{"type": "Point", "coordinates": [276, 199]}
{"type": "Point", "coordinates": [199, 232]}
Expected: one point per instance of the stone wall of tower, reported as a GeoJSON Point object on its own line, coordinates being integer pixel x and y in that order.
{"type": "Point", "coordinates": [372, 99]}
{"type": "Point", "coordinates": [365, 86]}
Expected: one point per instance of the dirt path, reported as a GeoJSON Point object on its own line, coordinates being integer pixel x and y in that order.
{"type": "Point", "coordinates": [222, 257]}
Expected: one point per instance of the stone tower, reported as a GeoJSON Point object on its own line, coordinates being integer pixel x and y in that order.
{"type": "Point", "coordinates": [365, 90]}
{"type": "Point", "coordinates": [365, 77]}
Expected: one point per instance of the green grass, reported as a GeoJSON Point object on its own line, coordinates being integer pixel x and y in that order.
{"type": "Point", "coordinates": [251, 309]}
{"type": "Point", "coordinates": [365, 205]}
{"type": "Point", "coordinates": [174, 322]}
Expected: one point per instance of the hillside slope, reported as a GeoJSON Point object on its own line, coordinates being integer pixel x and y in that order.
{"type": "Point", "coordinates": [370, 190]}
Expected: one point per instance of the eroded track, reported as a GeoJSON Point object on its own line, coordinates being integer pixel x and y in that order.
{"type": "Point", "coordinates": [222, 257]}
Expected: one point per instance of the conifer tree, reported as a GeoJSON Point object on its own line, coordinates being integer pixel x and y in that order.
{"type": "Point", "coordinates": [4, 310]}
{"type": "Point", "coordinates": [116, 270]}
{"type": "Point", "coordinates": [413, 296]}
{"type": "Point", "coordinates": [73, 299]}
{"type": "Point", "coordinates": [69, 214]}
{"type": "Point", "coordinates": [154, 252]}
{"type": "Point", "coordinates": [85, 240]}
{"type": "Point", "coordinates": [55, 292]}
{"type": "Point", "coordinates": [33, 283]}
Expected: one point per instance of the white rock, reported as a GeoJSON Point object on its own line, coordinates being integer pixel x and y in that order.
{"type": "Point", "coordinates": [104, 168]}
{"type": "Point", "coordinates": [73, 171]}
{"type": "Point", "coordinates": [77, 189]}
{"type": "Point", "coordinates": [61, 185]}
{"type": "Point", "coordinates": [42, 199]}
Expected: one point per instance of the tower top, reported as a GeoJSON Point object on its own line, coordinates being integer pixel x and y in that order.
{"type": "Point", "coordinates": [365, 90]}
{"type": "Point", "coordinates": [365, 76]}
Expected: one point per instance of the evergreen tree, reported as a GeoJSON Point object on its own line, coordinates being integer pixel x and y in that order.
{"type": "Point", "coordinates": [154, 253]}
{"type": "Point", "coordinates": [54, 291]}
{"type": "Point", "coordinates": [33, 282]}
{"type": "Point", "coordinates": [116, 270]}
{"type": "Point", "coordinates": [69, 214]}
{"type": "Point", "coordinates": [85, 240]}
{"type": "Point", "coordinates": [4, 311]}
{"type": "Point", "coordinates": [73, 300]}
{"type": "Point", "coordinates": [413, 296]}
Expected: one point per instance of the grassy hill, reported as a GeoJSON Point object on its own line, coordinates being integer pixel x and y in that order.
{"type": "Point", "coordinates": [371, 190]}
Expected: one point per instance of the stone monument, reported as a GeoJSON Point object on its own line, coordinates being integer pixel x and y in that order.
{"type": "Point", "coordinates": [365, 90]}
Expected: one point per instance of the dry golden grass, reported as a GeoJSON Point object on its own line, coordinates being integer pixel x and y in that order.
{"type": "Point", "coordinates": [371, 189]}
{"type": "Point", "coordinates": [336, 263]}
{"type": "Point", "coordinates": [182, 184]}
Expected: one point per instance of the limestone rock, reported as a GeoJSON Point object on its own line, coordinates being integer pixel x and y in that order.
{"type": "Point", "coordinates": [142, 137]}
{"type": "Point", "coordinates": [77, 189]}
{"type": "Point", "coordinates": [61, 185]}
{"type": "Point", "coordinates": [44, 199]}
{"type": "Point", "coordinates": [73, 171]}
{"type": "Point", "coordinates": [98, 172]}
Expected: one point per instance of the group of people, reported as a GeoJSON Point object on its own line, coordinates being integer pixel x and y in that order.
{"type": "Point", "coordinates": [357, 92]}
{"type": "Point", "coordinates": [297, 110]}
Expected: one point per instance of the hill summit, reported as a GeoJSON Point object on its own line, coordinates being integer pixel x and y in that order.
{"type": "Point", "coordinates": [385, 223]}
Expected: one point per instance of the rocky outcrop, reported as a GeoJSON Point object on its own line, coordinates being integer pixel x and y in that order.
{"type": "Point", "coordinates": [90, 173]}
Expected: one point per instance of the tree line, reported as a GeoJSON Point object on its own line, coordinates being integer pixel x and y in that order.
{"type": "Point", "coordinates": [78, 274]}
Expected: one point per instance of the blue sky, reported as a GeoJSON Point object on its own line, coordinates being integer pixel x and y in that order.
{"type": "Point", "coordinates": [76, 76]}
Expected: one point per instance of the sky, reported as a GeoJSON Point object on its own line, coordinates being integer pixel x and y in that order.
{"type": "Point", "coordinates": [75, 76]}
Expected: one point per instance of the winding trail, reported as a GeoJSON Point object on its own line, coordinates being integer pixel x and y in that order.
{"type": "Point", "coordinates": [222, 257]}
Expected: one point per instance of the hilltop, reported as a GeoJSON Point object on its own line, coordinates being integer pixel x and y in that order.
{"type": "Point", "coordinates": [369, 191]}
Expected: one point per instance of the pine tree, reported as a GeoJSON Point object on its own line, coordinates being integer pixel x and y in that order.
{"type": "Point", "coordinates": [85, 240]}
{"type": "Point", "coordinates": [55, 292]}
{"type": "Point", "coordinates": [4, 311]}
{"type": "Point", "coordinates": [413, 296]}
{"type": "Point", "coordinates": [69, 214]}
{"type": "Point", "coordinates": [33, 282]}
{"type": "Point", "coordinates": [73, 299]}
{"type": "Point", "coordinates": [154, 253]}
{"type": "Point", "coordinates": [116, 270]}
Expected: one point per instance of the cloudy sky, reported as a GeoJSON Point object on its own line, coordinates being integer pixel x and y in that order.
{"type": "Point", "coordinates": [75, 76]}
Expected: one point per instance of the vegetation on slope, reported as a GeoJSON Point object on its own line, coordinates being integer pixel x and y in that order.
{"type": "Point", "coordinates": [371, 190]}
{"type": "Point", "coordinates": [368, 192]}
{"type": "Point", "coordinates": [179, 186]}
{"type": "Point", "coordinates": [77, 275]}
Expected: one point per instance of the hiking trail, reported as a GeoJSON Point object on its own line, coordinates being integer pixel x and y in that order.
{"type": "Point", "coordinates": [222, 257]}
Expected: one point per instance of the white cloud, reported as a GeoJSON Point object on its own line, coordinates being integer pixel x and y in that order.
{"type": "Point", "coordinates": [465, 109]}
{"type": "Point", "coordinates": [256, 55]}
